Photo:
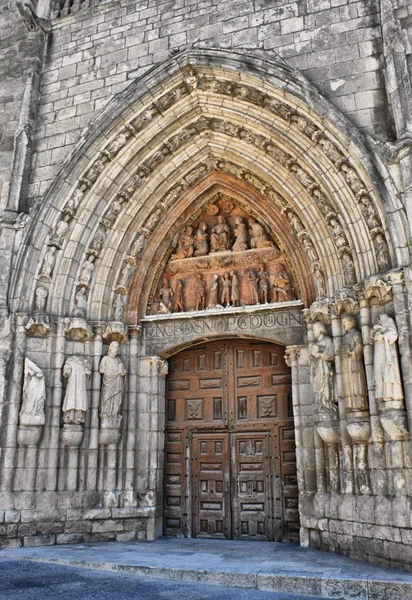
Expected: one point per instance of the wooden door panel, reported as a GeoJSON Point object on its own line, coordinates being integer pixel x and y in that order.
{"type": "Point", "coordinates": [251, 486]}
{"type": "Point", "coordinates": [210, 481]}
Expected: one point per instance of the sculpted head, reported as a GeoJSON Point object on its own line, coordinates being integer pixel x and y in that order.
{"type": "Point", "coordinates": [348, 322]}
{"type": "Point", "coordinates": [113, 349]}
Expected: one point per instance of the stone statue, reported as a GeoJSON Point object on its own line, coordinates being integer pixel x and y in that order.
{"type": "Point", "coordinates": [125, 276]}
{"type": "Point", "coordinates": [214, 292]}
{"type": "Point", "coordinates": [264, 285]}
{"type": "Point", "coordinates": [338, 234]}
{"type": "Point", "coordinates": [241, 233]}
{"type": "Point", "coordinates": [369, 213]}
{"type": "Point", "coordinates": [81, 302]}
{"type": "Point", "coordinates": [118, 308]}
{"type": "Point", "coordinates": [114, 372]}
{"type": "Point", "coordinates": [200, 293]}
{"type": "Point", "coordinates": [76, 369]}
{"type": "Point", "coordinates": [352, 179]}
{"type": "Point", "coordinates": [354, 388]}
{"type": "Point", "coordinates": [348, 268]}
{"type": "Point", "coordinates": [226, 290]}
{"type": "Point", "coordinates": [382, 253]}
{"type": "Point", "coordinates": [320, 281]}
{"type": "Point", "coordinates": [60, 231]}
{"type": "Point", "coordinates": [253, 288]}
{"type": "Point", "coordinates": [220, 237]}
{"type": "Point", "coordinates": [322, 372]}
{"type": "Point", "coordinates": [258, 236]}
{"type": "Point", "coordinates": [48, 263]}
{"type": "Point", "coordinates": [388, 381]}
{"type": "Point", "coordinates": [185, 246]}
{"type": "Point", "coordinates": [202, 240]}
{"type": "Point", "coordinates": [86, 272]}
{"type": "Point", "coordinates": [302, 176]}
{"type": "Point", "coordinates": [282, 290]}
{"type": "Point", "coordinates": [295, 221]}
{"type": "Point", "coordinates": [41, 299]}
{"type": "Point", "coordinates": [235, 295]}
{"type": "Point", "coordinates": [310, 249]}
{"type": "Point", "coordinates": [98, 241]}
{"type": "Point", "coordinates": [166, 296]}
{"type": "Point", "coordinates": [178, 297]}
{"type": "Point", "coordinates": [330, 149]}
{"type": "Point", "coordinates": [34, 395]}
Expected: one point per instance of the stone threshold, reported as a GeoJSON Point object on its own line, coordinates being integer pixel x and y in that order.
{"type": "Point", "coordinates": [266, 566]}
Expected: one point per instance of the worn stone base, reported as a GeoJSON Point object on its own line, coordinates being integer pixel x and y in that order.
{"type": "Point", "coordinates": [358, 526]}
{"type": "Point", "coordinates": [49, 518]}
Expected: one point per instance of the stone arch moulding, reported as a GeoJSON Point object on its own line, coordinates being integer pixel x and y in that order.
{"type": "Point", "coordinates": [203, 122]}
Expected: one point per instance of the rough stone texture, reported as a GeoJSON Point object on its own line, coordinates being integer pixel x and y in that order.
{"type": "Point", "coordinates": [119, 124]}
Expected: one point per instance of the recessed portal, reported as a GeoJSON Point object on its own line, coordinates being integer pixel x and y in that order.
{"type": "Point", "coordinates": [230, 464]}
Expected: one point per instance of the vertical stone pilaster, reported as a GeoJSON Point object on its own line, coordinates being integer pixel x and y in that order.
{"type": "Point", "coordinates": [134, 336]}
{"type": "Point", "coordinates": [57, 366]}
{"type": "Point", "coordinates": [13, 405]}
{"type": "Point", "coordinates": [94, 408]}
{"type": "Point", "coordinates": [150, 437]}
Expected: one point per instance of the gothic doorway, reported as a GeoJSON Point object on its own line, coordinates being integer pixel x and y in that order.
{"type": "Point", "coordinates": [230, 465]}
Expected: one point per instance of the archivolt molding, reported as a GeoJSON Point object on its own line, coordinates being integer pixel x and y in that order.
{"type": "Point", "coordinates": [206, 101]}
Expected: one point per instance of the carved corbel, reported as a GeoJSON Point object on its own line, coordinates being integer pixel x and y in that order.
{"type": "Point", "coordinates": [38, 325]}
{"type": "Point", "coordinates": [346, 301]}
{"type": "Point", "coordinates": [292, 355]}
{"type": "Point", "coordinates": [321, 311]}
{"type": "Point", "coordinates": [78, 329]}
{"type": "Point", "coordinates": [115, 332]}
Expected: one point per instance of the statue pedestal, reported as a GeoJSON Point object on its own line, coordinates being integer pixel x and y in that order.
{"type": "Point", "coordinates": [29, 435]}
{"type": "Point", "coordinates": [72, 435]}
{"type": "Point", "coordinates": [393, 421]}
{"type": "Point", "coordinates": [110, 431]}
{"type": "Point", "coordinates": [327, 426]}
{"type": "Point", "coordinates": [359, 427]}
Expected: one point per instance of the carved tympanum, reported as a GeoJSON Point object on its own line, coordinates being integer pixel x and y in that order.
{"type": "Point", "coordinates": [223, 261]}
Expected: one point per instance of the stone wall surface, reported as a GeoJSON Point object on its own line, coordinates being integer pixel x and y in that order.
{"type": "Point", "coordinates": [121, 123]}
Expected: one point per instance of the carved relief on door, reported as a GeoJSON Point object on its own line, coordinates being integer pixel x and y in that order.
{"type": "Point", "coordinates": [230, 466]}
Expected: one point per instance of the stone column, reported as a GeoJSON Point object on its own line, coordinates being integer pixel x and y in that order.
{"type": "Point", "coordinates": [57, 366]}
{"type": "Point", "coordinates": [150, 438]}
{"type": "Point", "coordinates": [134, 336]}
{"type": "Point", "coordinates": [376, 458]}
{"type": "Point", "coordinates": [94, 408]}
{"type": "Point", "coordinates": [13, 405]}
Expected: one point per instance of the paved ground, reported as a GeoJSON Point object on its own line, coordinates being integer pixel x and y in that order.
{"type": "Point", "coordinates": [272, 566]}
{"type": "Point", "coordinates": [24, 580]}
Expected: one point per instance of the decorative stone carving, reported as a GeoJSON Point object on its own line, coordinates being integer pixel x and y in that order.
{"type": "Point", "coordinates": [76, 369]}
{"type": "Point", "coordinates": [200, 293]}
{"type": "Point", "coordinates": [338, 233]}
{"type": "Point", "coordinates": [369, 213]}
{"type": "Point", "coordinates": [253, 279]}
{"type": "Point", "coordinates": [226, 290]}
{"type": "Point", "coordinates": [166, 297]}
{"type": "Point", "coordinates": [235, 293]}
{"type": "Point", "coordinates": [118, 308]}
{"type": "Point", "coordinates": [220, 236]}
{"type": "Point", "coordinates": [264, 285]}
{"type": "Point", "coordinates": [348, 268]}
{"type": "Point", "coordinates": [321, 291]}
{"type": "Point", "coordinates": [201, 242]}
{"type": "Point", "coordinates": [185, 245]}
{"type": "Point", "coordinates": [114, 372]}
{"type": "Point", "coordinates": [321, 361]}
{"type": "Point", "coordinates": [86, 272]}
{"type": "Point", "coordinates": [124, 279]}
{"type": "Point", "coordinates": [34, 395]}
{"type": "Point", "coordinates": [214, 293]}
{"type": "Point", "coordinates": [353, 180]}
{"type": "Point", "coordinates": [49, 261]}
{"type": "Point", "coordinates": [78, 329]}
{"type": "Point", "coordinates": [97, 242]}
{"type": "Point", "coordinates": [38, 324]}
{"type": "Point", "coordinates": [81, 302]}
{"type": "Point", "coordinates": [377, 291]}
{"type": "Point", "coordinates": [354, 388]}
{"type": "Point", "coordinates": [258, 236]}
{"type": "Point", "coordinates": [59, 233]}
{"type": "Point", "coordinates": [382, 252]}
{"type": "Point", "coordinates": [282, 290]}
{"type": "Point", "coordinates": [346, 300]}
{"type": "Point", "coordinates": [115, 332]}
{"type": "Point", "coordinates": [387, 376]}
{"type": "Point", "coordinates": [41, 299]}
{"type": "Point", "coordinates": [241, 233]}
{"type": "Point", "coordinates": [178, 297]}
{"type": "Point", "coordinates": [310, 249]}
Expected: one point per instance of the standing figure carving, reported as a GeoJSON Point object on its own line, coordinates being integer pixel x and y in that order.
{"type": "Point", "coordinates": [48, 263]}
{"type": "Point", "coordinates": [322, 369]}
{"type": "Point", "coordinates": [81, 302]}
{"type": "Point", "coordinates": [214, 292]}
{"type": "Point", "coordinates": [114, 372]}
{"type": "Point", "coordinates": [200, 293]}
{"type": "Point", "coordinates": [235, 295]}
{"type": "Point", "coordinates": [41, 299]}
{"type": "Point", "coordinates": [201, 240]}
{"type": "Point", "coordinates": [60, 231]}
{"type": "Point", "coordinates": [382, 253]}
{"type": "Point", "coordinates": [34, 395]}
{"type": "Point", "coordinates": [178, 297]}
{"type": "Point", "coordinates": [241, 233]}
{"type": "Point", "coordinates": [226, 290]}
{"type": "Point", "coordinates": [166, 297]}
{"type": "Point", "coordinates": [253, 287]}
{"type": "Point", "coordinates": [348, 268]}
{"type": "Point", "coordinates": [86, 272]}
{"type": "Point", "coordinates": [264, 285]}
{"type": "Point", "coordinates": [388, 382]}
{"type": "Point", "coordinates": [76, 369]}
{"type": "Point", "coordinates": [118, 308]}
{"type": "Point", "coordinates": [220, 236]}
{"type": "Point", "coordinates": [258, 236]}
{"type": "Point", "coordinates": [282, 289]}
{"type": "Point", "coordinates": [354, 388]}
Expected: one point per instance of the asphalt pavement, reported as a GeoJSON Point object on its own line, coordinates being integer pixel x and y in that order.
{"type": "Point", "coordinates": [25, 580]}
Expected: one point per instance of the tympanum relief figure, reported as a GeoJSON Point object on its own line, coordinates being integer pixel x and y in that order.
{"type": "Point", "coordinates": [321, 361]}
{"type": "Point", "coordinates": [258, 236]}
{"type": "Point", "coordinates": [34, 395]}
{"type": "Point", "coordinates": [200, 293]}
{"type": "Point", "coordinates": [214, 293]}
{"type": "Point", "coordinates": [253, 288]}
{"type": "Point", "coordinates": [235, 294]}
{"type": "Point", "coordinates": [264, 285]}
{"type": "Point", "coordinates": [77, 370]}
{"type": "Point", "coordinates": [166, 297]}
{"type": "Point", "coordinates": [241, 242]}
{"type": "Point", "coordinates": [185, 245]}
{"type": "Point", "coordinates": [220, 236]}
{"type": "Point", "coordinates": [354, 388]}
{"type": "Point", "coordinates": [226, 290]}
{"type": "Point", "coordinates": [201, 242]}
{"type": "Point", "coordinates": [178, 297]}
{"type": "Point", "coordinates": [114, 373]}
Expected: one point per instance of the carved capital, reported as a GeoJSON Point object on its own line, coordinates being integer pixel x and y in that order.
{"type": "Point", "coordinates": [346, 301]}
{"type": "Point", "coordinates": [377, 291]}
{"type": "Point", "coordinates": [396, 277]}
{"type": "Point", "coordinates": [135, 332]}
{"type": "Point", "coordinates": [98, 327]}
{"type": "Point", "coordinates": [115, 332]}
{"type": "Point", "coordinates": [78, 329]}
{"type": "Point", "coordinates": [161, 365]}
{"type": "Point", "coordinates": [321, 311]}
{"type": "Point", "coordinates": [292, 356]}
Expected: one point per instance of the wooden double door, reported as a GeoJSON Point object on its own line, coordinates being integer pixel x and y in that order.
{"type": "Point", "coordinates": [230, 465]}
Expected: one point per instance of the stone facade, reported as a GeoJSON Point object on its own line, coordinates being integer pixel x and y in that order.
{"type": "Point", "coordinates": [123, 126]}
